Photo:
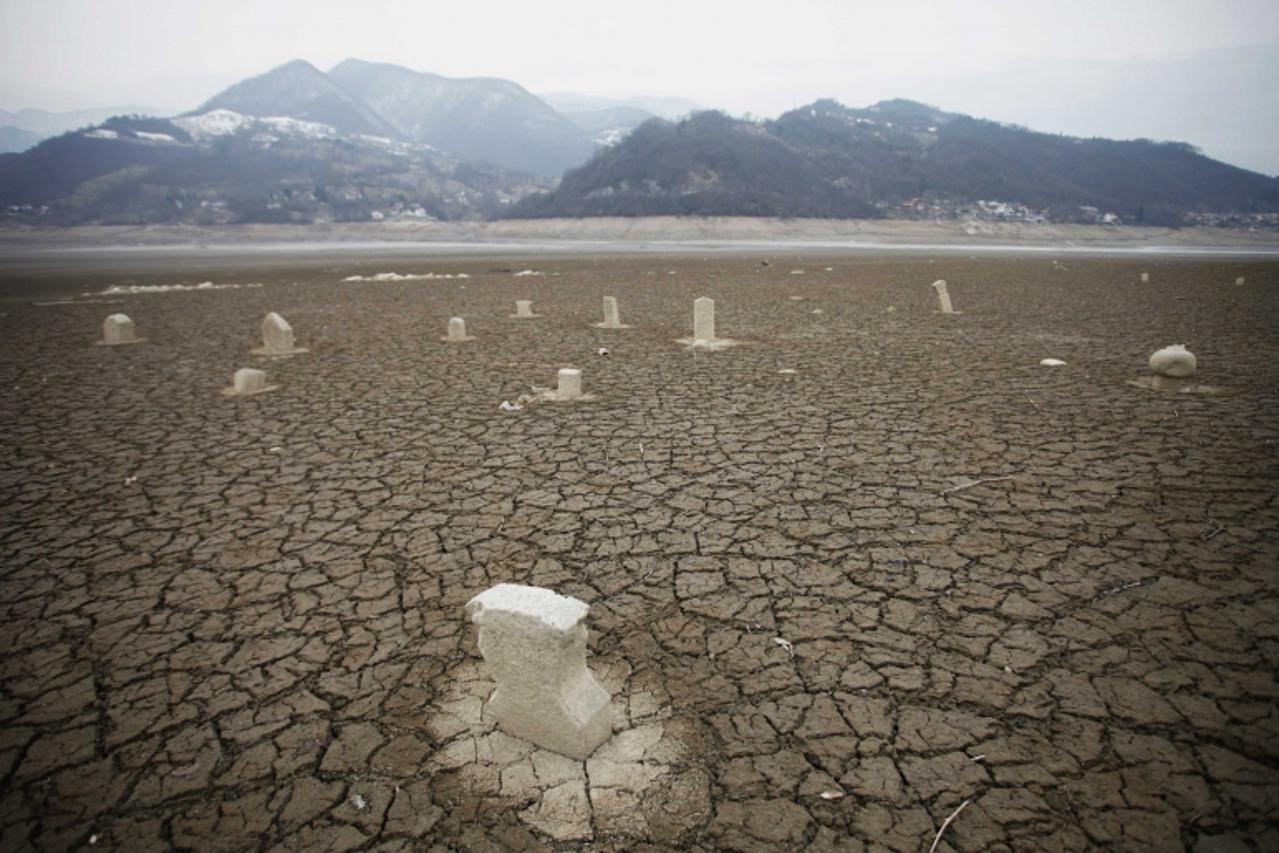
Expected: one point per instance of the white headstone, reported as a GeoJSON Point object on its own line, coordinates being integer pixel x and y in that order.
{"type": "Point", "coordinates": [611, 318]}
{"type": "Point", "coordinates": [457, 330]}
{"type": "Point", "coordinates": [277, 334]}
{"type": "Point", "coordinates": [1175, 361]}
{"type": "Point", "coordinates": [703, 320]}
{"type": "Point", "coordinates": [534, 642]}
{"type": "Point", "coordinates": [1239, 280]}
{"type": "Point", "coordinates": [943, 296]}
{"type": "Point", "coordinates": [118, 329]}
{"type": "Point", "coordinates": [524, 308]}
{"type": "Point", "coordinates": [1145, 277]}
{"type": "Point", "coordinates": [570, 387]}
{"type": "Point", "coordinates": [247, 380]}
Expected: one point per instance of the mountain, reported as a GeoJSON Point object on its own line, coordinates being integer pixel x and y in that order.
{"type": "Point", "coordinates": [223, 166]}
{"type": "Point", "coordinates": [300, 90]}
{"type": "Point", "coordinates": [45, 124]}
{"type": "Point", "coordinates": [663, 107]}
{"type": "Point", "coordinates": [708, 165]}
{"type": "Point", "coordinates": [479, 118]}
{"type": "Point", "coordinates": [16, 139]}
{"type": "Point", "coordinates": [1222, 100]}
{"type": "Point", "coordinates": [897, 156]}
{"type": "Point", "coordinates": [608, 125]}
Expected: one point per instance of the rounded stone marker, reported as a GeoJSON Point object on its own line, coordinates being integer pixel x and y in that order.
{"type": "Point", "coordinates": [248, 381]}
{"type": "Point", "coordinates": [524, 309]}
{"type": "Point", "coordinates": [117, 330]}
{"type": "Point", "coordinates": [570, 384]}
{"type": "Point", "coordinates": [457, 331]}
{"type": "Point", "coordinates": [534, 642]}
{"type": "Point", "coordinates": [1239, 281]}
{"type": "Point", "coordinates": [277, 337]}
{"type": "Point", "coordinates": [1145, 277]}
{"type": "Point", "coordinates": [1174, 361]}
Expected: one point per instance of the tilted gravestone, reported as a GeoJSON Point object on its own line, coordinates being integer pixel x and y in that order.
{"type": "Point", "coordinates": [943, 296]}
{"type": "Point", "coordinates": [534, 642]}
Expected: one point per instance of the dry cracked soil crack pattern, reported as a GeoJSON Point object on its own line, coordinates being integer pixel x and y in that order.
{"type": "Point", "coordinates": [238, 624]}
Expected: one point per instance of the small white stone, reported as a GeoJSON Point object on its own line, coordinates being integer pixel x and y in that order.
{"type": "Point", "coordinates": [1052, 362]}
{"type": "Point", "coordinates": [1174, 361]}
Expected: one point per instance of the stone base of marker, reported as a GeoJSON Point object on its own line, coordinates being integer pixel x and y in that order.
{"type": "Point", "coordinates": [612, 320]}
{"type": "Point", "coordinates": [117, 330]}
{"type": "Point", "coordinates": [277, 337]}
{"type": "Point", "coordinates": [524, 310]}
{"type": "Point", "coordinates": [457, 332]}
{"type": "Point", "coordinates": [247, 382]}
{"type": "Point", "coordinates": [534, 644]}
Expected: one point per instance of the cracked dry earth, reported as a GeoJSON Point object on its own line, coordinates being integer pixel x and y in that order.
{"type": "Point", "coordinates": [238, 624]}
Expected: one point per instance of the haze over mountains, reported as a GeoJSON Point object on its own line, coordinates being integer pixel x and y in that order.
{"type": "Point", "coordinates": [373, 140]}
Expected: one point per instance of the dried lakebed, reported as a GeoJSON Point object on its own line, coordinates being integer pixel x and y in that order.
{"type": "Point", "coordinates": [869, 565]}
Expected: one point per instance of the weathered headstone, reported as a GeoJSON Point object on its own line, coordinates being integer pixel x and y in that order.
{"type": "Point", "coordinates": [277, 335]}
{"type": "Point", "coordinates": [570, 384]}
{"type": "Point", "coordinates": [1239, 281]}
{"type": "Point", "coordinates": [612, 319]}
{"type": "Point", "coordinates": [534, 642]}
{"type": "Point", "coordinates": [943, 296]}
{"type": "Point", "coordinates": [249, 381]}
{"type": "Point", "coordinates": [703, 320]}
{"type": "Point", "coordinates": [524, 308]}
{"type": "Point", "coordinates": [118, 329]}
{"type": "Point", "coordinates": [1175, 362]}
{"type": "Point", "coordinates": [1145, 277]}
{"type": "Point", "coordinates": [457, 331]}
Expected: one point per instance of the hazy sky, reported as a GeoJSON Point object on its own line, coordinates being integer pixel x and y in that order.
{"type": "Point", "coordinates": [735, 54]}
{"type": "Point", "coordinates": [738, 55]}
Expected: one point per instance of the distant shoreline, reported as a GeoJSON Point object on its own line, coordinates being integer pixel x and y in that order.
{"type": "Point", "coordinates": [674, 235]}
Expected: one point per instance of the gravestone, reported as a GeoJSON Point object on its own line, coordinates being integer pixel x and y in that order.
{"type": "Point", "coordinates": [534, 642]}
{"type": "Point", "coordinates": [704, 320]}
{"type": "Point", "coordinates": [524, 308]}
{"type": "Point", "coordinates": [1145, 277]}
{"type": "Point", "coordinates": [249, 381]}
{"type": "Point", "coordinates": [118, 330]}
{"type": "Point", "coordinates": [457, 331]}
{"type": "Point", "coordinates": [570, 384]}
{"type": "Point", "coordinates": [612, 320]}
{"type": "Point", "coordinates": [943, 296]}
{"type": "Point", "coordinates": [1239, 281]}
{"type": "Point", "coordinates": [277, 335]}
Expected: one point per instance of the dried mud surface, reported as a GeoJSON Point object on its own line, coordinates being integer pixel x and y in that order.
{"type": "Point", "coordinates": [238, 624]}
